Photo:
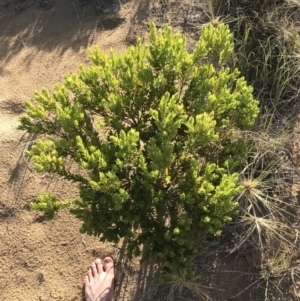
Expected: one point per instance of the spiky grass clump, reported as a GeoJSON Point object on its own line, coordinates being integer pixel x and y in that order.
{"type": "Point", "coordinates": [267, 171]}
{"type": "Point", "coordinates": [268, 214]}
{"type": "Point", "coordinates": [181, 287]}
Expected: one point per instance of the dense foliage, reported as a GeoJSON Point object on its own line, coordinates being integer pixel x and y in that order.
{"type": "Point", "coordinates": [153, 135]}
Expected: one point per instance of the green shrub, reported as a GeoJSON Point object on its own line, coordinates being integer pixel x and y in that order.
{"type": "Point", "coordinates": [151, 132]}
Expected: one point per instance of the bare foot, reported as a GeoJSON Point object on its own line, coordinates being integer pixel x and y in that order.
{"type": "Point", "coordinates": [99, 282]}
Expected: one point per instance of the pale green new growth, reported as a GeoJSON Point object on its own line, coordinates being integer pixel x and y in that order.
{"type": "Point", "coordinates": [153, 129]}
{"type": "Point", "coordinates": [49, 204]}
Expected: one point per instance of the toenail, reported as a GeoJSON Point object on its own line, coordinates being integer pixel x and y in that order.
{"type": "Point", "coordinates": [108, 260]}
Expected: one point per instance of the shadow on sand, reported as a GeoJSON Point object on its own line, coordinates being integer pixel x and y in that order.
{"type": "Point", "coordinates": [64, 26]}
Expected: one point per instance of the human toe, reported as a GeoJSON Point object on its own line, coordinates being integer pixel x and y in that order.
{"type": "Point", "coordinates": [108, 264]}
{"type": "Point", "coordinates": [94, 269]}
{"type": "Point", "coordinates": [89, 276]}
{"type": "Point", "coordinates": [99, 265]}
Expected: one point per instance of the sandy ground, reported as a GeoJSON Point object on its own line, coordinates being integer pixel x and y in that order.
{"type": "Point", "coordinates": [46, 260]}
